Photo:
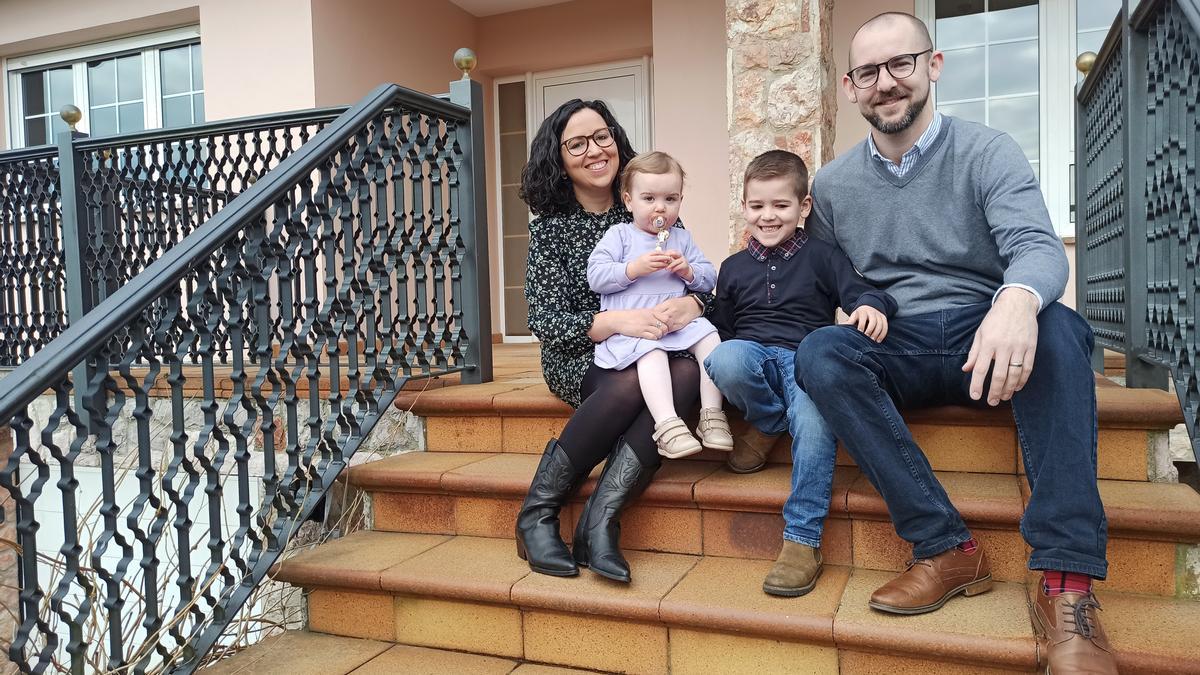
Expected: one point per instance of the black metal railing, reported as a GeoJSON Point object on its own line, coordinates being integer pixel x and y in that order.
{"type": "Point", "coordinates": [135, 195]}
{"type": "Point", "coordinates": [1139, 233]}
{"type": "Point", "coordinates": [357, 262]}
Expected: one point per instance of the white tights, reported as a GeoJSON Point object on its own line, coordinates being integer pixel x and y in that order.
{"type": "Point", "coordinates": [654, 376]}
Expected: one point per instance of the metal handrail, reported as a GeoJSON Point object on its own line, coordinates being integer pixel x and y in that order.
{"type": "Point", "coordinates": [377, 226]}
{"type": "Point", "coordinates": [1136, 248]}
{"type": "Point", "coordinates": [34, 377]}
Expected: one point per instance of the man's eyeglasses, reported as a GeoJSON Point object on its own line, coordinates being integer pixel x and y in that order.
{"type": "Point", "coordinates": [578, 145]}
{"type": "Point", "coordinates": [899, 67]}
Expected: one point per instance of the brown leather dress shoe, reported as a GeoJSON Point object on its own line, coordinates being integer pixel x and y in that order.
{"type": "Point", "coordinates": [1069, 634]}
{"type": "Point", "coordinates": [750, 450]}
{"type": "Point", "coordinates": [927, 584]}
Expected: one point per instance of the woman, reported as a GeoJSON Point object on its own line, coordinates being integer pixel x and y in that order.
{"type": "Point", "coordinates": [570, 184]}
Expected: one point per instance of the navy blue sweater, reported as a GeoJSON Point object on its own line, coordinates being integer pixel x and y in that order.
{"type": "Point", "coordinates": [779, 301]}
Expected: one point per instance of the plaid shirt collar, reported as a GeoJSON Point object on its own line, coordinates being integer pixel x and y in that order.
{"type": "Point", "coordinates": [786, 249]}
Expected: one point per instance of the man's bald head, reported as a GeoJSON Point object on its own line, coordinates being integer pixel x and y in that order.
{"type": "Point", "coordinates": [891, 20]}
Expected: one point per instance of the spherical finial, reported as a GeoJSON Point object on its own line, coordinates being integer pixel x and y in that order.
{"type": "Point", "coordinates": [1085, 61]}
{"type": "Point", "coordinates": [71, 115]}
{"type": "Point", "coordinates": [464, 60]}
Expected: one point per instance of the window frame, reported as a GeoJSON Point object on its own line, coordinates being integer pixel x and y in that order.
{"type": "Point", "coordinates": [148, 45]}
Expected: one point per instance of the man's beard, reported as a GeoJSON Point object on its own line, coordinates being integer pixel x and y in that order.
{"type": "Point", "coordinates": [910, 115]}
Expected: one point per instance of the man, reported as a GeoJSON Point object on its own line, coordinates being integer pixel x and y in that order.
{"type": "Point", "coordinates": [946, 215]}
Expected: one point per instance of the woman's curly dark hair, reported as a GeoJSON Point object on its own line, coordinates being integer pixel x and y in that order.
{"type": "Point", "coordinates": [545, 187]}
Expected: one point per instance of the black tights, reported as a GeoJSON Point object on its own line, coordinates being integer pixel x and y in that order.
{"type": "Point", "coordinates": [613, 407]}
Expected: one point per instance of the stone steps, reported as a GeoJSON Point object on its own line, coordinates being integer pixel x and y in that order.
{"type": "Point", "coordinates": [519, 415]}
{"type": "Point", "coordinates": [302, 652]}
{"type": "Point", "coordinates": [698, 508]}
{"type": "Point", "coordinates": [686, 613]}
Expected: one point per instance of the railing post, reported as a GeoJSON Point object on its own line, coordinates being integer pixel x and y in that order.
{"type": "Point", "coordinates": [1138, 371]}
{"type": "Point", "coordinates": [79, 292]}
{"type": "Point", "coordinates": [1083, 268]}
{"type": "Point", "coordinates": [476, 276]}
{"type": "Point", "coordinates": [9, 581]}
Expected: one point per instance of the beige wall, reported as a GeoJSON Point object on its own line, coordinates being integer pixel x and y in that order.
{"type": "Point", "coordinates": [689, 76]}
{"type": "Point", "coordinates": [247, 70]}
{"type": "Point", "coordinates": [358, 44]}
{"type": "Point", "coordinates": [562, 36]}
{"type": "Point", "coordinates": [848, 15]}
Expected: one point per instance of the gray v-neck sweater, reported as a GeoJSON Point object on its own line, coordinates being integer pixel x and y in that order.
{"type": "Point", "coordinates": [965, 219]}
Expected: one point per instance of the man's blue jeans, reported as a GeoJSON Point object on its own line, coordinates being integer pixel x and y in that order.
{"type": "Point", "coordinates": [759, 380]}
{"type": "Point", "coordinates": [858, 384]}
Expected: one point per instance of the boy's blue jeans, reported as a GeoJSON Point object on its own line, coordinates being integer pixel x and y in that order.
{"type": "Point", "coordinates": [858, 385]}
{"type": "Point", "coordinates": [760, 381]}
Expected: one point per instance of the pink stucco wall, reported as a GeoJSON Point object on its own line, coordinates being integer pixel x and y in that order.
{"type": "Point", "coordinates": [258, 56]}
{"type": "Point", "coordinates": [689, 112]}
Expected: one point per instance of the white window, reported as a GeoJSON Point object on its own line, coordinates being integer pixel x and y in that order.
{"type": "Point", "coordinates": [125, 85]}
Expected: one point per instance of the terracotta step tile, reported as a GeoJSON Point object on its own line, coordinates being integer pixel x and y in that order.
{"type": "Point", "coordinates": [1118, 407]}
{"type": "Point", "coordinates": [464, 568]}
{"type": "Point", "coordinates": [360, 614]}
{"type": "Point", "coordinates": [455, 434]}
{"type": "Point", "coordinates": [992, 629]}
{"type": "Point", "coordinates": [411, 470]}
{"type": "Point", "coordinates": [878, 547]}
{"type": "Point", "coordinates": [1162, 510]}
{"type": "Point", "coordinates": [1151, 634]}
{"type": "Point", "coordinates": [498, 475]}
{"type": "Point", "coordinates": [495, 630]}
{"type": "Point", "coordinates": [862, 663]}
{"type": "Point", "coordinates": [425, 661]}
{"type": "Point", "coordinates": [301, 653]}
{"type": "Point", "coordinates": [765, 491]}
{"type": "Point", "coordinates": [588, 642]}
{"type": "Point", "coordinates": [981, 498]}
{"type": "Point", "coordinates": [705, 652]}
{"type": "Point", "coordinates": [726, 594]}
{"type": "Point", "coordinates": [654, 575]}
{"type": "Point", "coordinates": [541, 669]}
{"type": "Point", "coordinates": [354, 561]}
{"type": "Point", "coordinates": [528, 435]}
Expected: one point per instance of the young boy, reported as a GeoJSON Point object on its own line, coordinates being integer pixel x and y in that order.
{"type": "Point", "coordinates": [769, 297]}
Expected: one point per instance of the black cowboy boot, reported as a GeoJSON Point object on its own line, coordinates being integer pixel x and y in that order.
{"type": "Point", "coordinates": [538, 539]}
{"type": "Point", "coordinates": [598, 533]}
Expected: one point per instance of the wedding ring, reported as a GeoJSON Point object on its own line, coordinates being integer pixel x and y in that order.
{"type": "Point", "coordinates": [658, 324]}
{"type": "Point", "coordinates": [1015, 365]}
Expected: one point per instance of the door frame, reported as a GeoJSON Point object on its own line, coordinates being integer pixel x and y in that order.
{"type": "Point", "coordinates": [1056, 90]}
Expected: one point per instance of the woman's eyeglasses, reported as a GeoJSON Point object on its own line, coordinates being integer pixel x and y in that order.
{"type": "Point", "coordinates": [899, 67]}
{"type": "Point", "coordinates": [578, 145]}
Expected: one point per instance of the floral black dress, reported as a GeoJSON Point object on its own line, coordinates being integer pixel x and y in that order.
{"type": "Point", "coordinates": [561, 304]}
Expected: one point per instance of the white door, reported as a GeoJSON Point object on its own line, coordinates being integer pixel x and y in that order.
{"type": "Point", "coordinates": [523, 102]}
{"type": "Point", "coordinates": [1010, 64]}
{"type": "Point", "coordinates": [624, 88]}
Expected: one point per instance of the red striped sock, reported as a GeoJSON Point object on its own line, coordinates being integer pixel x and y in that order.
{"type": "Point", "coordinates": [1055, 582]}
{"type": "Point", "coordinates": [969, 546]}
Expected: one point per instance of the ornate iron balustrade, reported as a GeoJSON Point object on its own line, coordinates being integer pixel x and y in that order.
{"type": "Point", "coordinates": [136, 196]}
{"type": "Point", "coordinates": [357, 263]}
{"type": "Point", "coordinates": [1139, 233]}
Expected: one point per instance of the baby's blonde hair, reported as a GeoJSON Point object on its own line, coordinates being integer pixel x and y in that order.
{"type": "Point", "coordinates": [655, 162]}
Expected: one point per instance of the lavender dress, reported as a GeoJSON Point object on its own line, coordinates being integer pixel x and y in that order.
{"type": "Point", "coordinates": [606, 276]}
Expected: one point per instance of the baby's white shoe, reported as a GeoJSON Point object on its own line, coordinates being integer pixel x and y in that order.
{"type": "Point", "coordinates": [674, 440]}
{"type": "Point", "coordinates": [714, 429]}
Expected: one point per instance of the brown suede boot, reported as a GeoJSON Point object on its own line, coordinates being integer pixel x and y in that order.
{"type": "Point", "coordinates": [795, 572]}
{"type": "Point", "coordinates": [750, 450]}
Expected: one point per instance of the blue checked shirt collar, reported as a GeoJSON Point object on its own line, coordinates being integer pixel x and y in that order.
{"type": "Point", "coordinates": [910, 158]}
{"type": "Point", "coordinates": [786, 249]}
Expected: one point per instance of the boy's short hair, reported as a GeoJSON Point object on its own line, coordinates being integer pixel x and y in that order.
{"type": "Point", "coordinates": [778, 164]}
{"type": "Point", "coordinates": [655, 162]}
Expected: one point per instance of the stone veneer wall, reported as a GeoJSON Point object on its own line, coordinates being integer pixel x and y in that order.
{"type": "Point", "coordinates": [8, 563]}
{"type": "Point", "coordinates": [783, 91]}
